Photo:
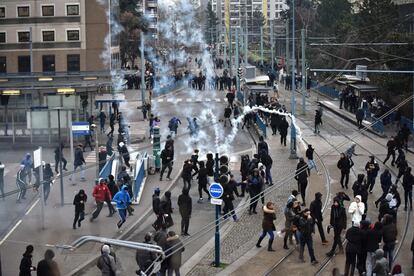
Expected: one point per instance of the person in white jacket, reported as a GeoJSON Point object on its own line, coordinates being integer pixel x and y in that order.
{"type": "Point", "coordinates": [357, 209]}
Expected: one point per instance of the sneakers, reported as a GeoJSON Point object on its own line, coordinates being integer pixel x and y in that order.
{"type": "Point", "coordinates": [200, 200]}
{"type": "Point", "coordinates": [325, 242]}
{"type": "Point", "coordinates": [315, 262]}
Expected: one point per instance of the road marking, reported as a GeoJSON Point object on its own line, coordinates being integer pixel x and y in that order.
{"type": "Point", "coordinates": [179, 100]}
{"type": "Point", "coordinates": [207, 99]}
{"type": "Point", "coordinates": [218, 100]}
{"type": "Point", "coordinates": [10, 232]}
{"type": "Point", "coordinates": [169, 100]}
{"type": "Point", "coordinates": [199, 100]}
{"type": "Point", "coordinates": [189, 100]}
{"type": "Point", "coordinates": [160, 100]}
{"type": "Point", "coordinates": [31, 208]}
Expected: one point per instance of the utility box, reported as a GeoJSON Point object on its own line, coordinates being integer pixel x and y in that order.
{"type": "Point", "coordinates": [250, 72]}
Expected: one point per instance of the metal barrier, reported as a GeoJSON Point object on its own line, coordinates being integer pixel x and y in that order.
{"type": "Point", "coordinates": [326, 90]}
{"type": "Point", "coordinates": [261, 125]}
{"type": "Point", "coordinates": [141, 166]}
{"type": "Point", "coordinates": [158, 91]}
{"type": "Point", "coordinates": [377, 125]}
{"type": "Point", "coordinates": [107, 169]}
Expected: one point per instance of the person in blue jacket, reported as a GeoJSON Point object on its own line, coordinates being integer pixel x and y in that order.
{"type": "Point", "coordinates": [122, 200]}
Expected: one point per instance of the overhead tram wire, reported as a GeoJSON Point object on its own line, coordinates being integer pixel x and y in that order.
{"type": "Point", "coordinates": [210, 226]}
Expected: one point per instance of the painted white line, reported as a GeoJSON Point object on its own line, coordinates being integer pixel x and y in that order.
{"type": "Point", "coordinates": [189, 100]}
{"type": "Point", "coordinates": [199, 100]}
{"type": "Point", "coordinates": [10, 232]}
{"type": "Point", "coordinates": [218, 100]}
{"type": "Point", "coordinates": [169, 100]}
{"type": "Point", "coordinates": [179, 100]}
{"type": "Point", "coordinates": [31, 208]}
{"type": "Point", "coordinates": [207, 100]}
{"type": "Point", "coordinates": [160, 100]}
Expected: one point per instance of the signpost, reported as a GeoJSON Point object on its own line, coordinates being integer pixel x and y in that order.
{"type": "Point", "coordinates": [37, 162]}
{"type": "Point", "coordinates": [216, 192]}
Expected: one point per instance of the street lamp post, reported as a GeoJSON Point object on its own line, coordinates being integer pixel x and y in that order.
{"type": "Point", "coordinates": [261, 46]}
{"type": "Point", "coordinates": [293, 154]}
{"type": "Point", "coordinates": [304, 79]}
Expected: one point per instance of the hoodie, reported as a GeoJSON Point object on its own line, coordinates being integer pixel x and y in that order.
{"type": "Point", "coordinates": [122, 198]}
{"type": "Point", "coordinates": [357, 210]}
{"type": "Point", "coordinates": [381, 264]}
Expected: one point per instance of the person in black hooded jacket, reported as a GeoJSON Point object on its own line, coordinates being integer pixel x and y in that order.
{"type": "Point", "coordinates": [316, 213]}
{"type": "Point", "coordinates": [301, 175]}
{"type": "Point", "coordinates": [338, 223]}
{"type": "Point", "coordinates": [353, 248]}
{"type": "Point", "coordinates": [374, 237]}
{"type": "Point", "coordinates": [26, 267]}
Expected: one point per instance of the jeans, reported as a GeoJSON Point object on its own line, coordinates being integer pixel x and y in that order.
{"type": "Point", "coordinates": [122, 216]}
{"type": "Point", "coordinates": [302, 189]}
{"type": "Point", "coordinates": [389, 154]}
{"type": "Point", "coordinates": [229, 209]}
{"type": "Point", "coordinates": [269, 174]}
{"type": "Point", "coordinates": [283, 140]}
{"type": "Point", "coordinates": [344, 177]}
{"type": "Point", "coordinates": [370, 262]}
{"type": "Point", "coordinates": [82, 172]}
{"type": "Point", "coordinates": [79, 216]}
{"type": "Point", "coordinates": [201, 188]}
{"type": "Point", "coordinates": [389, 253]}
{"type": "Point", "coordinates": [253, 200]}
{"type": "Point", "coordinates": [306, 240]}
{"type": "Point", "coordinates": [312, 164]}
{"type": "Point", "coordinates": [57, 164]}
{"type": "Point", "coordinates": [22, 187]}
{"type": "Point", "coordinates": [271, 235]}
{"type": "Point", "coordinates": [408, 196]}
{"type": "Point", "coordinates": [187, 183]}
{"type": "Point", "coordinates": [175, 270]}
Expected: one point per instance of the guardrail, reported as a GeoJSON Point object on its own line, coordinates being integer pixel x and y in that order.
{"type": "Point", "coordinates": [107, 169]}
{"type": "Point", "coordinates": [141, 166]}
{"type": "Point", "coordinates": [326, 90]}
{"type": "Point", "coordinates": [261, 125]}
{"type": "Point", "coordinates": [378, 125]}
{"type": "Point", "coordinates": [158, 91]}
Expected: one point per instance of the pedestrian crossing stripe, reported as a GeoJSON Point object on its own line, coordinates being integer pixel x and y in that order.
{"type": "Point", "coordinates": [189, 100]}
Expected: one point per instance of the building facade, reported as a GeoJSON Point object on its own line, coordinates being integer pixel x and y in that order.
{"type": "Point", "coordinates": [51, 36]}
{"type": "Point", "coordinates": [150, 9]}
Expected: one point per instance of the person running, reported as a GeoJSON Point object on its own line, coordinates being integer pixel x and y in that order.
{"type": "Point", "coordinates": [267, 225]}
{"type": "Point", "coordinates": [88, 142]}
{"type": "Point", "coordinates": [185, 207]}
{"type": "Point", "coordinates": [391, 145]}
{"type": "Point", "coordinates": [26, 266]}
{"type": "Point", "coordinates": [79, 202]}
{"type": "Point", "coordinates": [100, 193]}
{"type": "Point", "coordinates": [21, 184]}
{"type": "Point", "coordinates": [122, 200]}
{"type": "Point", "coordinates": [311, 163]}
{"type": "Point", "coordinates": [372, 169]}
{"type": "Point", "coordinates": [27, 162]}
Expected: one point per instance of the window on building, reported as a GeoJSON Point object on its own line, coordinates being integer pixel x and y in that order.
{"type": "Point", "coordinates": [48, 63]}
{"type": "Point", "coordinates": [23, 11]}
{"type": "Point", "coordinates": [23, 36]}
{"type": "Point", "coordinates": [72, 10]}
{"type": "Point", "coordinates": [3, 65]}
{"type": "Point", "coordinates": [72, 35]}
{"type": "Point", "coordinates": [2, 12]}
{"type": "Point", "coordinates": [23, 64]}
{"type": "Point", "coordinates": [48, 10]}
{"type": "Point", "coordinates": [73, 63]}
{"type": "Point", "coordinates": [2, 37]}
{"type": "Point", "coordinates": [48, 35]}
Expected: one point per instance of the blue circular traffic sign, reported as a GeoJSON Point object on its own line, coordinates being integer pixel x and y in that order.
{"type": "Point", "coordinates": [215, 190]}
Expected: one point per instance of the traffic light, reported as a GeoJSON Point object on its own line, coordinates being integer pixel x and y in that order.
{"type": "Point", "coordinates": [240, 72]}
{"type": "Point", "coordinates": [224, 170]}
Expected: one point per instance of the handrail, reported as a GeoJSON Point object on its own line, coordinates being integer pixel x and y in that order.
{"type": "Point", "coordinates": [128, 244]}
